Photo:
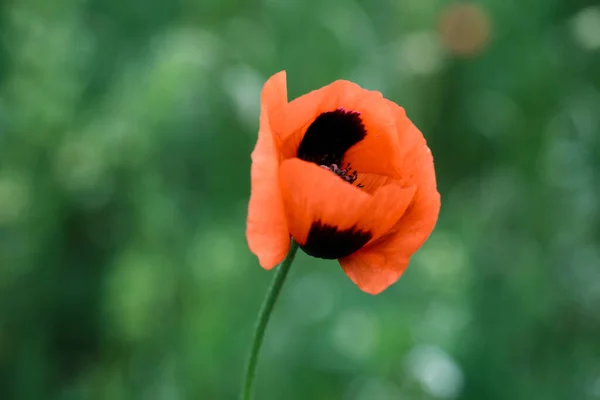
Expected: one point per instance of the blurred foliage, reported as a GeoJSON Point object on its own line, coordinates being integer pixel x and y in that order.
{"type": "Point", "coordinates": [125, 134]}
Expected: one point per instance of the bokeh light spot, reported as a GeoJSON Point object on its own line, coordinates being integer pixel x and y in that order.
{"type": "Point", "coordinates": [585, 28]}
{"type": "Point", "coordinates": [465, 29]}
{"type": "Point", "coordinates": [420, 54]}
{"type": "Point", "coordinates": [437, 372]}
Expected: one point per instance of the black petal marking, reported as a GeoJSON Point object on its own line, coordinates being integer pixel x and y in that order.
{"type": "Point", "coordinates": [330, 135]}
{"type": "Point", "coordinates": [326, 241]}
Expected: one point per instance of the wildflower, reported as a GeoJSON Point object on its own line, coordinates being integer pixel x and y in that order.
{"type": "Point", "coordinates": [347, 175]}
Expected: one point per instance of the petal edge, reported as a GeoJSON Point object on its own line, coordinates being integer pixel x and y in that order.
{"type": "Point", "coordinates": [267, 231]}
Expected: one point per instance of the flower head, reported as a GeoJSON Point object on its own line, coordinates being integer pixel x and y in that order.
{"type": "Point", "coordinates": [344, 172]}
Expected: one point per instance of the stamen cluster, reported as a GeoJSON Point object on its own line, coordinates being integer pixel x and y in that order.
{"type": "Point", "coordinates": [346, 173]}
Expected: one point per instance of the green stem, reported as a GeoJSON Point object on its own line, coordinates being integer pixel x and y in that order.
{"type": "Point", "coordinates": [263, 318]}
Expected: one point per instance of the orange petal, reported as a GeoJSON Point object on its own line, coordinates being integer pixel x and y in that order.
{"type": "Point", "coordinates": [313, 195]}
{"type": "Point", "coordinates": [373, 271]}
{"type": "Point", "coordinates": [380, 264]}
{"type": "Point", "coordinates": [377, 153]}
{"type": "Point", "coordinates": [274, 98]}
{"type": "Point", "coordinates": [371, 182]}
{"type": "Point", "coordinates": [413, 146]}
{"type": "Point", "coordinates": [267, 231]}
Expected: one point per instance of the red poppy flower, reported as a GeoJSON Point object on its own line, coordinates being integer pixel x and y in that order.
{"type": "Point", "coordinates": [344, 172]}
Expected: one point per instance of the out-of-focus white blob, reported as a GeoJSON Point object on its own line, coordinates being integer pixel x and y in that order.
{"type": "Point", "coordinates": [243, 85]}
{"type": "Point", "coordinates": [420, 54]}
{"type": "Point", "coordinates": [594, 388]}
{"type": "Point", "coordinates": [355, 334]}
{"type": "Point", "coordinates": [436, 370]}
{"type": "Point", "coordinates": [585, 28]}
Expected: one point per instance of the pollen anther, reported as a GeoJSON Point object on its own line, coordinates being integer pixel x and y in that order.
{"type": "Point", "coordinates": [346, 173]}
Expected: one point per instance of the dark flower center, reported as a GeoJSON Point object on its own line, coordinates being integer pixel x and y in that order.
{"type": "Point", "coordinates": [330, 136]}
{"type": "Point", "coordinates": [325, 143]}
{"type": "Point", "coordinates": [330, 242]}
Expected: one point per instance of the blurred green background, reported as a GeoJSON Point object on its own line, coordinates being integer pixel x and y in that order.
{"type": "Point", "coordinates": [126, 128]}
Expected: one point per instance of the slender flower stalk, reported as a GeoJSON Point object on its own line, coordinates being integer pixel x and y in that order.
{"type": "Point", "coordinates": [263, 319]}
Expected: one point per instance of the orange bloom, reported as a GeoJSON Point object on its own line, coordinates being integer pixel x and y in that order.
{"type": "Point", "coordinates": [344, 172]}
